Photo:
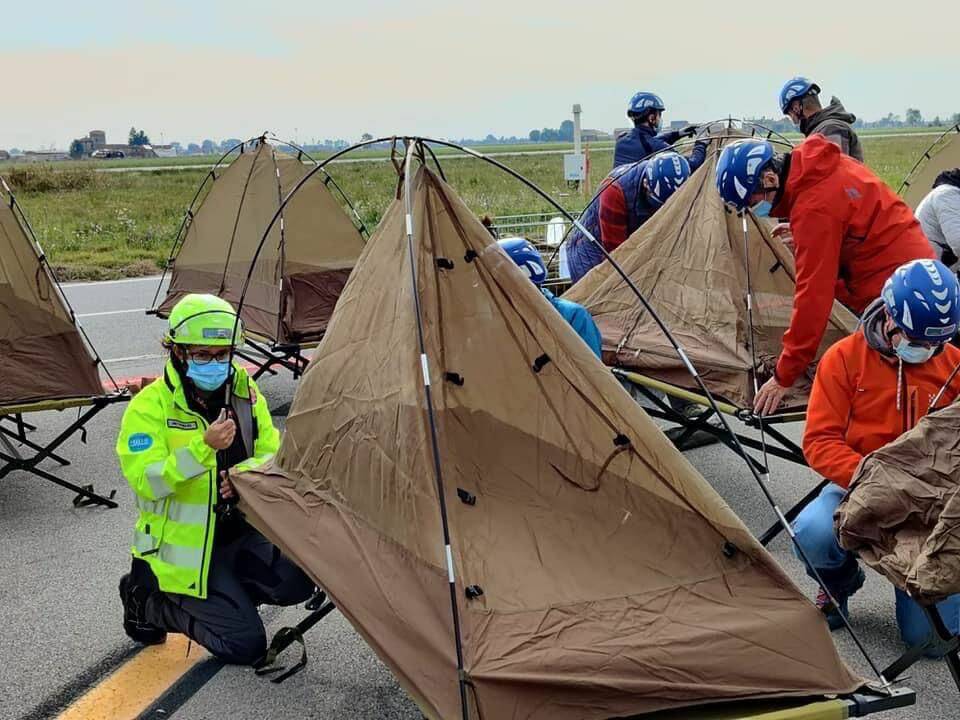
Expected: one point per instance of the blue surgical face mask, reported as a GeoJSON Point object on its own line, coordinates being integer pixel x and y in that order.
{"type": "Point", "coordinates": [208, 376]}
{"type": "Point", "coordinates": [913, 354]}
{"type": "Point", "coordinates": [762, 208]}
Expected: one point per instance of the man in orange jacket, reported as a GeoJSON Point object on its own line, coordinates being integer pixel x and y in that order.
{"type": "Point", "coordinates": [870, 388]}
{"type": "Point", "coordinates": [850, 232]}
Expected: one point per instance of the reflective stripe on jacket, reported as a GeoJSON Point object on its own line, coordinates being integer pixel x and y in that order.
{"type": "Point", "coordinates": [173, 474]}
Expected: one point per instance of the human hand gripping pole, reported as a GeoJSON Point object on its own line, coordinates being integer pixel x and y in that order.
{"type": "Point", "coordinates": [219, 436]}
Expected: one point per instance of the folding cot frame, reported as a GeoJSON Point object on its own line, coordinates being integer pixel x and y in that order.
{"type": "Point", "coordinates": [942, 641]}
{"type": "Point", "coordinates": [29, 455]}
{"type": "Point", "coordinates": [14, 429]}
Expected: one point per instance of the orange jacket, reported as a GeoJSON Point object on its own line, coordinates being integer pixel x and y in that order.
{"type": "Point", "coordinates": [853, 405]}
{"type": "Point", "coordinates": [850, 232]}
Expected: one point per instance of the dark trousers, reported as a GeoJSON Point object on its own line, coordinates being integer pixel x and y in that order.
{"type": "Point", "coordinates": [245, 572]}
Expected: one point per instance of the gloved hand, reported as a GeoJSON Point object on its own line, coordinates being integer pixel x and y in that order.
{"type": "Point", "coordinates": [689, 130]}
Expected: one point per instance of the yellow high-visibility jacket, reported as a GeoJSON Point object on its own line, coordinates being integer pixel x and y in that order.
{"type": "Point", "coordinates": [173, 474]}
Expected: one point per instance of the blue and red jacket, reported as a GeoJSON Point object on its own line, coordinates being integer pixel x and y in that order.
{"type": "Point", "coordinates": [643, 141]}
{"type": "Point", "coordinates": [620, 209]}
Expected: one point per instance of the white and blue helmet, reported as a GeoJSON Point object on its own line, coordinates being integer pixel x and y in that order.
{"type": "Point", "coordinates": [739, 168]}
{"type": "Point", "coordinates": [923, 300]}
{"type": "Point", "coordinates": [527, 258]}
{"type": "Point", "coordinates": [664, 174]}
{"type": "Point", "coordinates": [794, 88]}
{"type": "Point", "coordinates": [643, 101]}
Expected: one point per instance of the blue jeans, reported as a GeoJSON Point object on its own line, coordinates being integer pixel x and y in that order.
{"type": "Point", "coordinates": [815, 534]}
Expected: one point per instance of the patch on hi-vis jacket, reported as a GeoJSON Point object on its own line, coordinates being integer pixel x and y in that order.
{"type": "Point", "coordinates": [180, 425]}
{"type": "Point", "coordinates": [138, 442]}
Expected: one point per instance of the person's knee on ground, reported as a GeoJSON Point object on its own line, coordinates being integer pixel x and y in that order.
{"type": "Point", "coordinates": [245, 646]}
{"type": "Point", "coordinates": [915, 628]}
{"type": "Point", "coordinates": [815, 531]}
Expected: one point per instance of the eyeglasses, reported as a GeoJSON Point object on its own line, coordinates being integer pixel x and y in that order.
{"type": "Point", "coordinates": [205, 358]}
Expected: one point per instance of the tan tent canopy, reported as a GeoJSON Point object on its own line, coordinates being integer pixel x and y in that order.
{"type": "Point", "coordinates": [688, 261]}
{"type": "Point", "coordinates": [903, 509]}
{"type": "Point", "coordinates": [303, 264]}
{"type": "Point", "coordinates": [596, 572]}
{"type": "Point", "coordinates": [42, 353]}
{"type": "Point", "coordinates": [944, 154]}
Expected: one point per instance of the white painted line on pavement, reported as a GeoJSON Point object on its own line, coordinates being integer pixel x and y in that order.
{"type": "Point", "coordinates": [152, 278]}
{"type": "Point", "coordinates": [111, 312]}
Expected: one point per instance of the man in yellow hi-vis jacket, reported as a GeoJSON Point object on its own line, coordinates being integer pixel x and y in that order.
{"type": "Point", "coordinates": [198, 567]}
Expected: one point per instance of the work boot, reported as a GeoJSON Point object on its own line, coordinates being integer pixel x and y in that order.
{"type": "Point", "coordinates": [843, 583]}
{"type": "Point", "coordinates": [135, 625]}
{"type": "Point", "coordinates": [699, 438]}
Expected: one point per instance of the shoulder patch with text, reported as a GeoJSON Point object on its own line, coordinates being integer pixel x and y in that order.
{"type": "Point", "coordinates": [181, 425]}
{"type": "Point", "coordinates": [138, 442]}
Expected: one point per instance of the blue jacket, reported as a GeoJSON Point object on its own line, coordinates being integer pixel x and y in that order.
{"type": "Point", "coordinates": [642, 141]}
{"type": "Point", "coordinates": [579, 319]}
{"type": "Point", "coordinates": [582, 254]}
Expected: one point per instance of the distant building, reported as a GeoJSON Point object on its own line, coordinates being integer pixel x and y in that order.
{"type": "Point", "coordinates": [163, 151]}
{"type": "Point", "coordinates": [97, 140]}
{"type": "Point", "coordinates": [588, 135]}
{"type": "Point", "coordinates": [4, 155]}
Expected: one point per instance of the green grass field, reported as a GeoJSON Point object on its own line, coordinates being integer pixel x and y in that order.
{"type": "Point", "coordinates": [107, 225]}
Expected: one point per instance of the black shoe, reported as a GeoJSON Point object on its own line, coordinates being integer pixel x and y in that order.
{"type": "Point", "coordinates": [696, 439]}
{"type": "Point", "coordinates": [135, 625]}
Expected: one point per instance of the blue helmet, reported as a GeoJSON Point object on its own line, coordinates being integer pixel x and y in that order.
{"type": "Point", "coordinates": [923, 299]}
{"type": "Point", "coordinates": [525, 255]}
{"type": "Point", "coordinates": [664, 174]}
{"type": "Point", "coordinates": [795, 88]}
{"type": "Point", "coordinates": [643, 101]}
{"type": "Point", "coordinates": [738, 170]}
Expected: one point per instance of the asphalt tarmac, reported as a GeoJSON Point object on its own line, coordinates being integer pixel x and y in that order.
{"type": "Point", "coordinates": [60, 565]}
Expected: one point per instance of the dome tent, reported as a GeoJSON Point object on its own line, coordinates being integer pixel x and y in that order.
{"type": "Point", "coordinates": [300, 270]}
{"type": "Point", "coordinates": [497, 517]}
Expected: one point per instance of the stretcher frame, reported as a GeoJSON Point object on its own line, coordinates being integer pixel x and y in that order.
{"type": "Point", "coordinates": [19, 452]}
{"type": "Point", "coordinates": [942, 641]}
{"type": "Point", "coordinates": [265, 356]}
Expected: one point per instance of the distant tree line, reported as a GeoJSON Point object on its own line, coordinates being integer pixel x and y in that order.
{"type": "Point", "coordinates": [911, 118]}
{"type": "Point", "coordinates": [564, 133]}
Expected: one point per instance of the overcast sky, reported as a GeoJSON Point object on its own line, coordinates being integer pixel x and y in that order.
{"type": "Point", "coordinates": [186, 70]}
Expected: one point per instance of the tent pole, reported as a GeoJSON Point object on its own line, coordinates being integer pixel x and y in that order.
{"type": "Point", "coordinates": [705, 135]}
{"type": "Point", "coordinates": [681, 353]}
{"type": "Point", "coordinates": [926, 156]}
{"type": "Point", "coordinates": [434, 441]}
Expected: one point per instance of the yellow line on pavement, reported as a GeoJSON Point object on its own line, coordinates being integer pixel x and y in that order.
{"type": "Point", "coordinates": [136, 684]}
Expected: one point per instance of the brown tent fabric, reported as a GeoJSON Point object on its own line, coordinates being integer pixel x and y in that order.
{"type": "Point", "coordinates": [303, 265]}
{"type": "Point", "coordinates": [42, 356]}
{"type": "Point", "coordinates": [903, 509]}
{"type": "Point", "coordinates": [942, 155]}
{"type": "Point", "coordinates": [598, 548]}
{"type": "Point", "coordinates": [687, 260]}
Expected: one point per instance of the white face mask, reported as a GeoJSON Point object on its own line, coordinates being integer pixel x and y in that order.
{"type": "Point", "coordinates": [913, 354]}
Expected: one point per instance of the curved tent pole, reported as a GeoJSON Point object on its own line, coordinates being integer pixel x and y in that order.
{"type": "Point", "coordinates": [771, 136]}
{"type": "Point", "coordinates": [211, 176]}
{"type": "Point", "coordinates": [691, 369]}
{"type": "Point", "coordinates": [926, 156]}
{"type": "Point", "coordinates": [45, 265]}
{"type": "Point", "coordinates": [188, 215]}
{"type": "Point", "coordinates": [330, 180]}
{"type": "Point", "coordinates": [276, 216]}
{"type": "Point", "coordinates": [697, 378]}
